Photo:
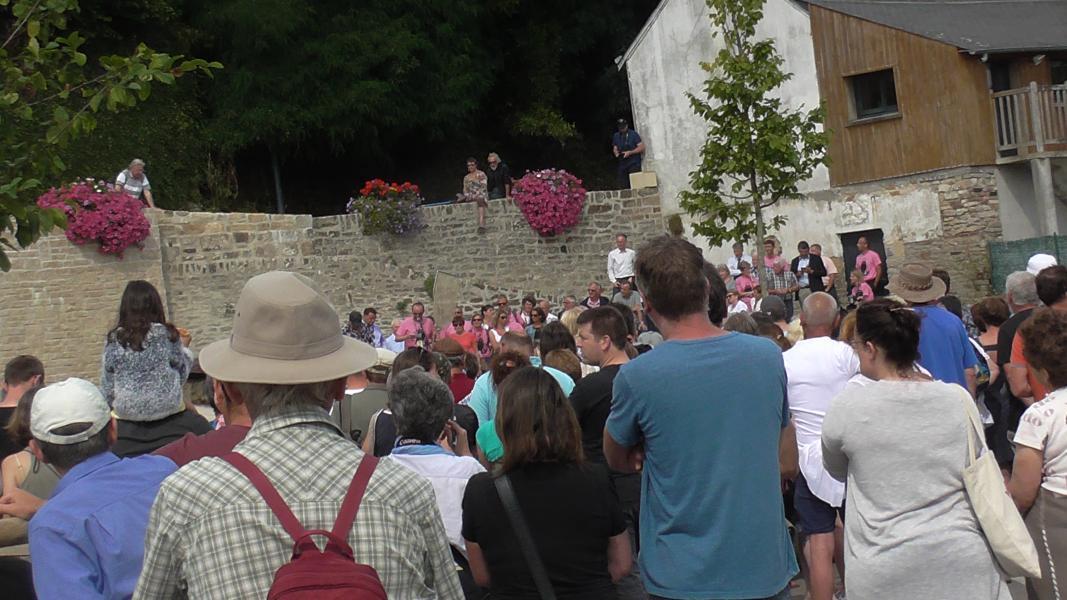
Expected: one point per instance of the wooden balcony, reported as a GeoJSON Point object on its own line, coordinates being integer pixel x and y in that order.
{"type": "Point", "coordinates": [1031, 122]}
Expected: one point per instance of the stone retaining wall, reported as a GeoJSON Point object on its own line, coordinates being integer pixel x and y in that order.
{"type": "Point", "coordinates": [59, 300]}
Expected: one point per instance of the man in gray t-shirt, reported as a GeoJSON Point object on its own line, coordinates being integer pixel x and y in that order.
{"type": "Point", "coordinates": [626, 295]}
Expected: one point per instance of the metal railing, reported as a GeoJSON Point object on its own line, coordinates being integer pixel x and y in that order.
{"type": "Point", "coordinates": [1031, 120]}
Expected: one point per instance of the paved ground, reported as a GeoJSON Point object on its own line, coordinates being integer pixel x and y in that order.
{"type": "Point", "coordinates": [1018, 591]}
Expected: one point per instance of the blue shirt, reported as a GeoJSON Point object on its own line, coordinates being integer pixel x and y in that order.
{"type": "Point", "coordinates": [483, 395]}
{"type": "Point", "coordinates": [627, 141]}
{"type": "Point", "coordinates": [87, 541]}
{"type": "Point", "coordinates": [944, 348]}
{"type": "Point", "coordinates": [710, 413]}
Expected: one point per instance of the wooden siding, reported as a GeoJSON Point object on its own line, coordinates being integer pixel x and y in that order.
{"type": "Point", "coordinates": [1023, 71]}
{"type": "Point", "coordinates": [946, 119]}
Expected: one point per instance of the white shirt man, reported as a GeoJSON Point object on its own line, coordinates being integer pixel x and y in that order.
{"type": "Point", "coordinates": [621, 260]}
{"type": "Point", "coordinates": [734, 262]}
{"type": "Point", "coordinates": [817, 368]}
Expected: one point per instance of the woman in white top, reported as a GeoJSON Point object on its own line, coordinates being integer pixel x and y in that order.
{"type": "Point", "coordinates": [1039, 476]}
{"type": "Point", "coordinates": [900, 443]}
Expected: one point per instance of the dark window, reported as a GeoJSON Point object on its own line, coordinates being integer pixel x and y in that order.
{"type": "Point", "coordinates": [873, 94]}
{"type": "Point", "coordinates": [1059, 72]}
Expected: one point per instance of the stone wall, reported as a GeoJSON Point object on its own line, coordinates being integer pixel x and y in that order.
{"type": "Point", "coordinates": [59, 300]}
{"type": "Point", "coordinates": [970, 218]}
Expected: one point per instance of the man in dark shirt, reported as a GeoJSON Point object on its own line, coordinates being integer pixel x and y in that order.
{"type": "Point", "coordinates": [1021, 294]}
{"type": "Point", "coordinates": [498, 178]}
{"type": "Point", "coordinates": [627, 146]}
{"type": "Point", "coordinates": [190, 447]}
{"type": "Point", "coordinates": [602, 339]}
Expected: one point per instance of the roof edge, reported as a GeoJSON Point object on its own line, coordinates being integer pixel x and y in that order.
{"type": "Point", "coordinates": [619, 64]}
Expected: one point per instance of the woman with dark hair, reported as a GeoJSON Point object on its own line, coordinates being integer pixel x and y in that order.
{"type": "Point", "coordinates": [146, 361]}
{"type": "Point", "coordinates": [499, 327]}
{"type": "Point", "coordinates": [556, 336]}
{"type": "Point", "coordinates": [537, 323]}
{"type": "Point", "coordinates": [874, 437]}
{"type": "Point", "coordinates": [568, 506]}
{"type": "Point", "coordinates": [1039, 475]}
{"type": "Point", "coordinates": [500, 367]}
{"type": "Point", "coordinates": [988, 315]}
{"type": "Point", "coordinates": [23, 470]}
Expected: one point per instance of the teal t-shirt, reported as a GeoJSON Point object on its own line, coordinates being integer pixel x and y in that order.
{"type": "Point", "coordinates": [483, 396]}
{"type": "Point", "coordinates": [710, 414]}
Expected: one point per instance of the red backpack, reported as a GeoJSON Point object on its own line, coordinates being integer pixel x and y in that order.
{"type": "Point", "coordinates": [331, 574]}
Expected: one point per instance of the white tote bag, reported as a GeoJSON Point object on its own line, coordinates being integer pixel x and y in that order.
{"type": "Point", "coordinates": [997, 514]}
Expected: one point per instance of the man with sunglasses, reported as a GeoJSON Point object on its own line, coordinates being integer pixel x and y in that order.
{"type": "Point", "coordinates": [594, 300]}
{"type": "Point", "coordinates": [514, 320]}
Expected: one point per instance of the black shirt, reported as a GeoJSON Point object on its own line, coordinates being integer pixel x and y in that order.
{"type": "Point", "coordinates": [1006, 335]}
{"type": "Point", "coordinates": [571, 512]}
{"type": "Point", "coordinates": [496, 181]}
{"type": "Point", "coordinates": [591, 399]}
{"type": "Point", "coordinates": [142, 437]}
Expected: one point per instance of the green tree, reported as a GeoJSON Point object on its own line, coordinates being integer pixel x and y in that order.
{"type": "Point", "coordinates": [49, 97]}
{"type": "Point", "coordinates": [757, 150]}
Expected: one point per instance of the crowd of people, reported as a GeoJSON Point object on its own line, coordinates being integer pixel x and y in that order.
{"type": "Point", "coordinates": [678, 433]}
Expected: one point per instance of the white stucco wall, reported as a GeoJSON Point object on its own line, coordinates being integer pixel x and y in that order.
{"type": "Point", "coordinates": [665, 64]}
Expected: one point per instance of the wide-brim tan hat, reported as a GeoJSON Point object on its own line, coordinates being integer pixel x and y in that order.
{"type": "Point", "coordinates": [285, 333]}
{"type": "Point", "coordinates": [916, 284]}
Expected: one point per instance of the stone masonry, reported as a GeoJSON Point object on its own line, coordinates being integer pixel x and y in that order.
{"type": "Point", "coordinates": [59, 300]}
{"type": "Point", "coordinates": [970, 219]}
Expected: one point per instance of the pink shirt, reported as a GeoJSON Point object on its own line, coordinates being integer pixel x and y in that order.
{"type": "Point", "coordinates": [409, 326]}
{"type": "Point", "coordinates": [863, 292]}
{"type": "Point", "coordinates": [868, 262]}
{"type": "Point", "coordinates": [745, 284]}
{"type": "Point", "coordinates": [831, 270]}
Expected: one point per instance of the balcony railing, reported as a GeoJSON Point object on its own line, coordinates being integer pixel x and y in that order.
{"type": "Point", "coordinates": [1031, 121]}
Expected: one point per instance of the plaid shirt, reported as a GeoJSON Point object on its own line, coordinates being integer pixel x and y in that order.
{"type": "Point", "coordinates": [211, 535]}
{"type": "Point", "coordinates": [782, 281]}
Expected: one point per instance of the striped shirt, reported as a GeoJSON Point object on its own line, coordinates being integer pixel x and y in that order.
{"type": "Point", "coordinates": [134, 186]}
{"type": "Point", "coordinates": [211, 535]}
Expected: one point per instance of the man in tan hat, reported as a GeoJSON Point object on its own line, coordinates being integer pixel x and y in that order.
{"type": "Point", "coordinates": [287, 360]}
{"type": "Point", "coordinates": [944, 349]}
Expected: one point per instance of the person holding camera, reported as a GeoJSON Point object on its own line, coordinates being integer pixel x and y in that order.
{"type": "Point", "coordinates": [627, 146]}
{"type": "Point", "coordinates": [416, 330]}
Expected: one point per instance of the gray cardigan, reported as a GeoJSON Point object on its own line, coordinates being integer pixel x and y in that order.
{"type": "Point", "coordinates": [145, 385]}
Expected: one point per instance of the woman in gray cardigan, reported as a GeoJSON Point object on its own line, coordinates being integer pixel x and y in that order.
{"type": "Point", "coordinates": [145, 363]}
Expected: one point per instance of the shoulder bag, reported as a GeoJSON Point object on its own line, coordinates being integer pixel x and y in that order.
{"type": "Point", "coordinates": [522, 533]}
{"type": "Point", "coordinates": [997, 514]}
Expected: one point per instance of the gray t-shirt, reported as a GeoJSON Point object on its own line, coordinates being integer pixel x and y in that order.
{"type": "Point", "coordinates": [910, 531]}
{"type": "Point", "coordinates": [634, 301]}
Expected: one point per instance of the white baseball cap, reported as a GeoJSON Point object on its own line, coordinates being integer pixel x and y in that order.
{"type": "Point", "coordinates": [1040, 262]}
{"type": "Point", "coordinates": [65, 403]}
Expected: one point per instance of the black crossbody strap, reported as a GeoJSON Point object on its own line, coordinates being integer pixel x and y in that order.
{"type": "Point", "coordinates": [522, 532]}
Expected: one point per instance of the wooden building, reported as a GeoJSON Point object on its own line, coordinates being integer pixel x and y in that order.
{"type": "Point", "coordinates": [917, 87]}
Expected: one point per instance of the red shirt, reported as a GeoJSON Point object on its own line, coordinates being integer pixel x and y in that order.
{"type": "Point", "coordinates": [190, 447]}
{"type": "Point", "coordinates": [461, 386]}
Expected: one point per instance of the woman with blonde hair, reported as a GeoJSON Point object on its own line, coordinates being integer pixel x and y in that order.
{"type": "Point", "coordinates": [569, 319]}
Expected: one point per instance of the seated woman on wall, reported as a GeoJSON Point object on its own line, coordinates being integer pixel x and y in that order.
{"type": "Point", "coordinates": [146, 361]}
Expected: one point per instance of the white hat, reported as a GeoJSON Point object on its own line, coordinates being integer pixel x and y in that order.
{"type": "Point", "coordinates": [65, 403]}
{"type": "Point", "coordinates": [1040, 262]}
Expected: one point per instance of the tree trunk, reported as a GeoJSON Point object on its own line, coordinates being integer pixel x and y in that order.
{"type": "Point", "coordinates": [761, 235]}
{"type": "Point", "coordinates": [277, 182]}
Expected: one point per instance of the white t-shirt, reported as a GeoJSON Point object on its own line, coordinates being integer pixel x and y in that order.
{"type": "Point", "coordinates": [802, 278]}
{"type": "Point", "coordinates": [740, 307]}
{"type": "Point", "coordinates": [1043, 427]}
{"type": "Point", "coordinates": [448, 474]}
{"type": "Point", "coordinates": [818, 369]}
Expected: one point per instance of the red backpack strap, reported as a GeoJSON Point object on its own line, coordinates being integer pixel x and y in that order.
{"type": "Point", "coordinates": [277, 505]}
{"type": "Point", "coordinates": [350, 506]}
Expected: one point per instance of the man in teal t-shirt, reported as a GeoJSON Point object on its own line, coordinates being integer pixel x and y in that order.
{"type": "Point", "coordinates": [712, 521]}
